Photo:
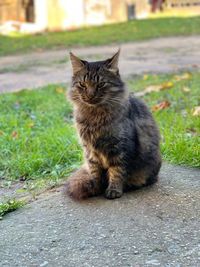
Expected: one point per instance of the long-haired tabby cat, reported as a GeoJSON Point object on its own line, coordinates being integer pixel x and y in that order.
{"type": "Point", "coordinates": [119, 136]}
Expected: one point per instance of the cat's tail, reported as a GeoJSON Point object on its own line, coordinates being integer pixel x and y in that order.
{"type": "Point", "coordinates": [81, 185]}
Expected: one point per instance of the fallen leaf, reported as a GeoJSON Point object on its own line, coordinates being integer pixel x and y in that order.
{"type": "Point", "coordinates": [167, 85]}
{"type": "Point", "coordinates": [15, 135]}
{"type": "Point", "coordinates": [155, 88]}
{"type": "Point", "coordinates": [149, 89]}
{"type": "Point", "coordinates": [161, 105]}
{"type": "Point", "coordinates": [186, 89]}
{"type": "Point", "coordinates": [1, 133]}
{"type": "Point", "coordinates": [184, 76]}
{"type": "Point", "coordinates": [59, 90]}
{"type": "Point", "coordinates": [196, 111]}
{"type": "Point", "coordinates": [145, 77]}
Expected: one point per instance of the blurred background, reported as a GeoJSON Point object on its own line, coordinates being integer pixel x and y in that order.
{"type": "Point", "coordinates": [32, 16]}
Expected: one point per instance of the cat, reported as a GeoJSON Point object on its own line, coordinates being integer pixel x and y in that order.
{"type": "Point", "coordinates": [119, 136]}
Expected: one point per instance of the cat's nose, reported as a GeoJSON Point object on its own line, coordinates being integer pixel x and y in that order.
{"type": "Point", "coordinates": [90, 92]}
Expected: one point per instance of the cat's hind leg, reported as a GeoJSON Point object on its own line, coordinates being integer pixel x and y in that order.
{"type": "Point", "coordinates": [140, 178]}
{"type": "Point", "coordinates": [81, 185]}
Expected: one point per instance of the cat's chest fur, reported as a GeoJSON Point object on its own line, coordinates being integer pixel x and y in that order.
{"type": "Point", "coordinates": [94, 125]}
{"type": "Point", "coordinates": [90, 131]}
{"type": "Point", "coordinates": [97, 134]}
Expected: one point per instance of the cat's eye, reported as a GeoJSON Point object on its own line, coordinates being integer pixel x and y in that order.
{"type": "Point", "coordinates": [82, 85]}
{"type": "Point", "coordinates": [101, 85]}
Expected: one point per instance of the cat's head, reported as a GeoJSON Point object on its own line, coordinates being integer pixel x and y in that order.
{"type": "Point", "coordinates": [96, 83]}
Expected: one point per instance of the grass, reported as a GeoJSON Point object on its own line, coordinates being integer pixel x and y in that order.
{"type": "Point", "coordinates": [116, 33]}
{"type": "Point", "coordinates": [10, 206]}
{"type": "Point", "coordinates": [38, 140]}
{"type": "Point", "coordinates": [180, 130]}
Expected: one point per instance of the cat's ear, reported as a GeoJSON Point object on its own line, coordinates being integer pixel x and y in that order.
{"type": "Point", "coordinates": [77, 63]}
{"type": "Point", "coordinates": [112, 63]}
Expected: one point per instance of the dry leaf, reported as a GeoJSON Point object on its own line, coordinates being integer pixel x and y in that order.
{"type": "Point", "coordinates": [15, 135]}
{"type": "Point", "coordinates": [155, 88]}
{"type": "Point", "coordinates": [145, 77]}
{"type": "Point", "coordinates": [149, 89]}
{"type": "Point", "coordinates": [1, 133]}
{"type": "Point", "coordinates": [196, 111]}
{"type": "Point", "coordinates": [161, 105]}
{"type": "Point", "coordinates": [59, 90]}
{"type": "Point", "coordinates": [186, 89]}
{"type": "Point", "coordinates": [184, 76]}
{"type": "Point", "coordinates": [167, 85]}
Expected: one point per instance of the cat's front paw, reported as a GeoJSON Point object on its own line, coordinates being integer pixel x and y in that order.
{"type": "Point", "coordinates": [112, 193]}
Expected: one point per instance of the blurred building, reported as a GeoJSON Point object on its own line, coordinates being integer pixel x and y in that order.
{"type": "Point", "coordinates": [69, 14]}
{"type": "Point", "coordinates": [39, 15]}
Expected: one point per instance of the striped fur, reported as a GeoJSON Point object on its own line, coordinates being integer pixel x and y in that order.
{"type": "Point", "coordinates": [118, 133]}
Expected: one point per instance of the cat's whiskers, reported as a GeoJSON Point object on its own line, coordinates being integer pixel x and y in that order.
{"type": "Point", "coordinates": [115, 102]}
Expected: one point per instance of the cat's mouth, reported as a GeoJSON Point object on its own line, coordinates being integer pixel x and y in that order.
{"type": "Point", "coordinates": [93, 101]}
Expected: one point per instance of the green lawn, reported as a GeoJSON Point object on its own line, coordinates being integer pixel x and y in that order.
{"type": "Point", "coordinates": [38, 140]}
{"type": "Point", "coordinates": [180, 130]}
{"type": "Point", "coordinates": [116, 33]}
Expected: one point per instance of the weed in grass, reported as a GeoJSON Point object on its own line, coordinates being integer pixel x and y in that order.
{"type": "Point", "coordinates": [9, 206]}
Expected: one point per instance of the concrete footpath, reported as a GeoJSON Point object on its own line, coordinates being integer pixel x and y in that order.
{"type": "Point", "coordinates": [157, 226]}
{"type": "Point", "coordinates": [153, 56]}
